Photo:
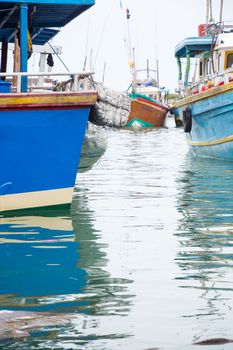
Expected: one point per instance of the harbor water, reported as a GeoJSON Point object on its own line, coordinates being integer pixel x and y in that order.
{"type": "Point", "coordinates": [142, 261]}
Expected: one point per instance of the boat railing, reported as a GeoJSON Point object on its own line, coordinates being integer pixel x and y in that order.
{"type": "Point", "coordinates": [38, 81]}
{"type": "Point", "coordinates": [223, 77]}
{"type": "Point", "coordinates": [211, 77]}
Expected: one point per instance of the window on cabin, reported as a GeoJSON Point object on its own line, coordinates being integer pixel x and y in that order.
{"type": "Point", "coordinates": [207, 63]}
{"type": "Point", "coordinates": [201, 68]}
{"type": "Point", "coordinates": [210, 67]}
{"type": "Point", "coordinates": [229, 60]}
{"type": "Point", "coordinates": [219, 62]}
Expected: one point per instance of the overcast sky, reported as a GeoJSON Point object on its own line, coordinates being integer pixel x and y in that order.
{"type": "Point", "coordinates": [156, 27]}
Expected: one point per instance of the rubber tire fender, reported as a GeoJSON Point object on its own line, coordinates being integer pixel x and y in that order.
{"type": "Point", "coordinates": [187, 119]}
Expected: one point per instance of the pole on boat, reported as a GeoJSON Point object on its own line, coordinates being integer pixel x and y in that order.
{"type": "Point", "coordinates": [207, 15]}
{"type": "Point", "coordinates": [134, 73]}
{"type": "Point", "coordinates": [147, 68]}
{"type": "Point", "coordinates": [16, 67]}
{"type": "Point", "coordinates": [23, 44]}
{"type": "Point", "coordinates": [157, 71]}
{"type": "Point", "coordinates": [91, 69]}
{"type": "Point", "coordinates": [104, 72]}
{"type": "Point", "coordinates": [187, 67]}
{"type": "Point", "coordinates": [221, 8]}
{"type": "Point", "coordinates": [4, 57]}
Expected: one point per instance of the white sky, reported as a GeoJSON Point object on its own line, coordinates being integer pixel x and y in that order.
{"type": "Point", "coordinates": [156, 27]}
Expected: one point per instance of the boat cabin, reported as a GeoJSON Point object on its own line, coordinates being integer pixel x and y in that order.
{"type": "Point", "coordinates": [32, 22]}
{"type": "Point", "coordinates": [209, 57]}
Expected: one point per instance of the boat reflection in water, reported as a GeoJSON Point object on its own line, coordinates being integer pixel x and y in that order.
{"type": "Point", "coordinates": [205, 255]}
{"type": "Point", "coordinates": [53, 261]}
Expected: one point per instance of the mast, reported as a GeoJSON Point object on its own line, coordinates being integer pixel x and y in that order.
{"type": "Point", "coordinates": [157, 71]}
{"type": "Point", "coordinates": [207, 11]}
{"type": "Point", "coordinates": [147, 68]}
{"type": "Point", "coordinates": [221, 8]}
{"type": "Point", "coordinates": [134, 73]}
{"type": "Point", "coordinates": [104, 72]}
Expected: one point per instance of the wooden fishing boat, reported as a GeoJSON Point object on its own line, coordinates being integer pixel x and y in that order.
{"type": "Point", "coordinates": [206, 104]}
{"type": "Point", "coordinates": [146, 112]}
{"type": "Point", "coordinates": [42, 130]}
{"type": "Point", "coordinates": [148, 107]}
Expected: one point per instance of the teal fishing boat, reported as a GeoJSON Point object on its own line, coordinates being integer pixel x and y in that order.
{"type": "Point", "coordinates": [148, 107]}
{"type": "Point", "coordinates": [42, 129]}
{"type": "Point", "coordinates": [205, 105]}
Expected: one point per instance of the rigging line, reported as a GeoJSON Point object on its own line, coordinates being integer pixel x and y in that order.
{"type": "Point", "coordinates": [125, 36]}
{"type": "Point", "coordinates": [87, 41]}
{"type": "Point", "coordinates": [87, 34]}
{"type": "Point", "coordinates": [129, 40]}
{"type": "Point", "coordinates": [102, 33]}
{"type": "Point", "coordinates": [58, 57]}
{"type": "Point", "coordinates": [124, 25]}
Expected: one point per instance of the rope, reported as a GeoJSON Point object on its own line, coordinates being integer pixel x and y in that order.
{"type": "Point", "coordinates": [3, 10]}
{"type": "Point", "coordinates": [87, 40]}
{"type": "Point", "coordinates": [58, 57]}
{"type": "Point", "coordinates": [102, 33]}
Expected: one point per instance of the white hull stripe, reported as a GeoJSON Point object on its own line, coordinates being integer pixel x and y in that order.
{"type": "Point", "coordinates": [36, 199]}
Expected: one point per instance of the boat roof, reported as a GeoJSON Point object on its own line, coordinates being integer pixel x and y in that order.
{"type": "Point", "coordinates": [195, 45]}
{"type": "Point", "coordinates": [48, 16]}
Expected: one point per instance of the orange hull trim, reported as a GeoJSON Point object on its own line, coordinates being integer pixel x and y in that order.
{"type": "Point", "coordinates": [147, 112]}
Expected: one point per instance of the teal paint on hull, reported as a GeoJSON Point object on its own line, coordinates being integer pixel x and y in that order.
{"type": "Point", "coordinates": [139, 122]}
{"type": "Point", "coordinates": [212, 121]}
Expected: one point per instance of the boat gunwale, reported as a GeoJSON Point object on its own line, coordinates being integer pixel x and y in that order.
{"type": "Point", "coordinates": [203, 95]}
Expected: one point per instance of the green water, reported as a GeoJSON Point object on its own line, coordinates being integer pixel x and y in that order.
{"type": "Point", "coordinates": [142, 261]}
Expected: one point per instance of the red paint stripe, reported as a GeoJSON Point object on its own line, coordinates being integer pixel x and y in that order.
{"type": "Point", "coordinates": [152, 103]}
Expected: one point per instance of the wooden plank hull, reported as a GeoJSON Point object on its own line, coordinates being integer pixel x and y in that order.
{"type": "Point", "coordinates": [41, 141]}
{"type": "Point", "coordinates": [145, 113]}
{"type": "Point", "coordinates": [209, 128]}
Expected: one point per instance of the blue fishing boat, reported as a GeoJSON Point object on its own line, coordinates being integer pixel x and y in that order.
{"type": "Point", "coordinates": [42, 131]}
{"type": "Point", "coordinates": [205, 105]}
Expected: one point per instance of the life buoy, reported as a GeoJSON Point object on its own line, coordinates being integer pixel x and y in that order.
{"type": "Point", "coordinates": [187, 119]}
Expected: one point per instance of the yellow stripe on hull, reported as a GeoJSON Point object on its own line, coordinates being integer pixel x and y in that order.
{"type": "Point", "coordinates": [48, 99]}
{"type": "Point", "coordinates": [202, 95]}
{"type": "Point", "coordinates": [212, 142]}
{"type": "Point", "coordinates": [36, 199]}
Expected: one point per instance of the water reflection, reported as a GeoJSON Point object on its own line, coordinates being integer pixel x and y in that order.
{"type": "Point", "coordinates": [205, 235]}
{"type": "Point", "coordinates": [53, 260]}
{"type": "Point", "coordinates": [106, 295]}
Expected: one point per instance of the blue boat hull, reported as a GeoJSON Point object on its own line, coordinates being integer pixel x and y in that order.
{"type": "Point", "coordinates": [40, 152]}
{"type": "Point", "coordinates": [211, 132]}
